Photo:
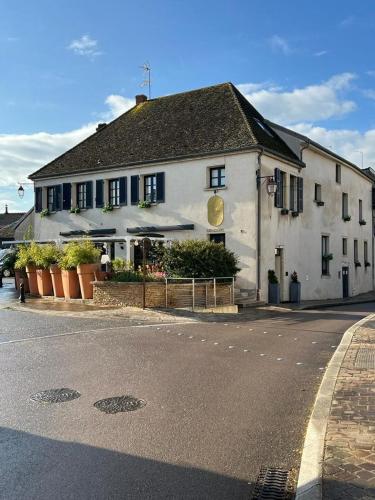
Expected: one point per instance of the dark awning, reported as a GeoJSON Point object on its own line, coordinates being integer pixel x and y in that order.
{"type": "Point", "coordinates": [160, 229]}
{"type": "Point", "coordinates": [89, 232]}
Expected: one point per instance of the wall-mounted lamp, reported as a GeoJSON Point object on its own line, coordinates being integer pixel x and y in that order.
{"type": "Point", "coordinates": [271, 184]}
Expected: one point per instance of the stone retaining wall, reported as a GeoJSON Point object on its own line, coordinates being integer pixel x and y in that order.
{"type": "Point", "coordinates": [176, 295]}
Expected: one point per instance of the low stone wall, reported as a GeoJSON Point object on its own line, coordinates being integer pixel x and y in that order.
{"type": "Point", "coordinates": [176, 295]}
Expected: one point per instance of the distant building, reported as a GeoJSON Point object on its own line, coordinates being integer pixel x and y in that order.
{"type": "Point", "coordinates": [205, 164]}
{"type": "Point", "coordinates": [8, 224]}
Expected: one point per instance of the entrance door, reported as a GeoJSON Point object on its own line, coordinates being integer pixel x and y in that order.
{"type": "Point", "coordinates": [345, 282]}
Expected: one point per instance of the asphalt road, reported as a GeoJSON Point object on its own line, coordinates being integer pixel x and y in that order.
{"type": "Point", "coordinates": [222, 400]}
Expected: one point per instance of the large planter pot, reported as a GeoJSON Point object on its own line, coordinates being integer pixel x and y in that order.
{"type": "Point", "coordinates": [31, 276]}
{"type": "Point", "coordinates": [44, 281]}
{"type": "Point", "coordinates": [57, 284]}
{"type": "Point", "coordinates": [86, 275]}
{"type": "Point", "coordinates": [21, 275]}
{"type": "Point", "coordinates": [295, 292]}
{"type": "Point", "coordinates": [70, 284]}
{"type": "Point", "coordinates": [273, 293]}
{"type": "Point", "coordinates": [101, 275]}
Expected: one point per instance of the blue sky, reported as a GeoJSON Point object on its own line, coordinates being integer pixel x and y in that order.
{"type": "Point", "coordinates": [66, 65]}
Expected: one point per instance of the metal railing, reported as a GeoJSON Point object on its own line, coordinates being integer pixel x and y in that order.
{"type": "Point", "coordinates": [196, 293]}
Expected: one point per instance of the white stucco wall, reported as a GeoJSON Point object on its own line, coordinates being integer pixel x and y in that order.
{"type": "Point", "coordinates": [186, 197]}
{"type": "Point", "coordinates": [300, 237]}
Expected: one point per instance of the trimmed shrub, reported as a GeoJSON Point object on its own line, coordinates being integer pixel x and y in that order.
{"type": "Point", "coordinates": [76, 253]}
{"type": "Point", "coordinates": [198, 259]}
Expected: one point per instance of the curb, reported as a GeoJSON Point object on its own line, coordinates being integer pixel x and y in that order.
{"type": "Point", "coordinates": [309, 485]}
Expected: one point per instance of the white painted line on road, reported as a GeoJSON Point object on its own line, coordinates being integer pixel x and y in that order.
{"type": "Point", "coordinates": [231, 347]}
{"type": "Point", "coordinates": [203, 340]}
{"type": "Point", "coordinates": [216, 343]}
{"type": "Point", "coordinates": [98, 330]}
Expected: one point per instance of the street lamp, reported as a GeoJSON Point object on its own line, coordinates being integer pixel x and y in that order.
{"type": "Point", "coordinates": [21, 191]}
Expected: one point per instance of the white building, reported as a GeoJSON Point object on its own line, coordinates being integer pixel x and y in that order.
{"type": "Point", "coordinates": [179, 152]}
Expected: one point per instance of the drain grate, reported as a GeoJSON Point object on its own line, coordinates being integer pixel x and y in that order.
{"type": "Point", "coordinates": [365, 358]}
{"type": "Point", "coordinates": [119, 404]}
{"type": "Point", "coordinates": [55, 395]}
{"type": "Point", "coordinates": [272, 484]}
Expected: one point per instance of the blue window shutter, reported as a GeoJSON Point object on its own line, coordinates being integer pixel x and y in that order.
{"type": "Point", "coordinates": [278, 195]}
{"type": "Point", "coordinates": [58, 197]}
{"type": "Point", "coordinates": [67, 196]}
{"type": "Point", "coordinates": [300, 194]}
{"type": "Point", "coordinates": [160, 187]}
{"type": "Point", "coordinates": [134, 189]}
{"type": "Point", "coordinates": [38, 199]}
{"type": "Point", "coordinates": [89, 194]}
{"type": "Point", "coordinates": [123, 191]}
{"type": "Point", "coordinates": [99, 196]}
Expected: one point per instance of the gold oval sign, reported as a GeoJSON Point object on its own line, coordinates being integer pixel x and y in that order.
{"type": "Point", "coordinates": [215, 211]}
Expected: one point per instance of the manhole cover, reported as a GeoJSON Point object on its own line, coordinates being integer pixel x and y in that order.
{"type": "Point", "coordinates": [55, 395]}
{"type": "Point", "coordinates": [365, 358]}
{"type": "Point", "coordinates": [119, 403]}
{"type": "Point", "coordinates": [272, 484]}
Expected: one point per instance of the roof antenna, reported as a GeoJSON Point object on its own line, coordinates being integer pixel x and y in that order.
{"type": "Point", "coordinates": [147, 77]}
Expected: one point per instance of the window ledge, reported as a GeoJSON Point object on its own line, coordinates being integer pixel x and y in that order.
{"type": "Point", "coordinates": [319, 203]}
{"type": "Point", "coordinates": [325, 276]}
{"type": "Point", "coordinates": [216, 188]}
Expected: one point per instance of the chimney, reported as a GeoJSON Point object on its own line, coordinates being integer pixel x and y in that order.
{"type": "Point", "coordinates": [100, 126]}
{"type": "Point", "coordinates": [140, 98]}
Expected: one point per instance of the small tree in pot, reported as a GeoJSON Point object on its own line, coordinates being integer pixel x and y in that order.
{"type": "Point", "coordinates": [273, 288]}
{"type": "Point", "coordinates": [26, 260]}
{"type": "Point", "coordinates": [84, 257]}
{"type": "Point", "coordinates": [45, 256]}
{"type": "Point", "coordinates": [295, 289]}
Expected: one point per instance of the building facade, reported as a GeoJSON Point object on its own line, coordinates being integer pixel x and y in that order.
{"type": "Point", "coordinates": [200, 165]}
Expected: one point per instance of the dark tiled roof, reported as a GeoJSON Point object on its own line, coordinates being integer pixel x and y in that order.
{"type": "Point", "coordinates": [10, 218]}
{"type": "Point", "coordinates": [206, 121]}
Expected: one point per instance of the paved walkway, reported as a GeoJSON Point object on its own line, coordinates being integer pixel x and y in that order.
{"type": "Point", "coordinates": [349, 461]}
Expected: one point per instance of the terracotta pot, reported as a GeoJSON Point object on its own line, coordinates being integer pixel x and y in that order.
{"type": "Point", "coordinates": [31, 275]}
{"type": "Point", "coordinates": [44, 281]}
{"type": "Point", "coordinates": [101, 275]}
{"type": "Point", "coordinates": [56, 277]}
{"type": "Point", "coordinates": [21, 275]}
{"type": "Point", "coordinates": [86, 274]}
{"type": "Point", "coordinates": [70, 284]}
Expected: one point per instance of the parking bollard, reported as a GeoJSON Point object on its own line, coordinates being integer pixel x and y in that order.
{"type": "Point", "coordinates": [22, 293]}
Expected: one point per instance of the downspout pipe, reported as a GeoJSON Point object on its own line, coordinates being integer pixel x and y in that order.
{"type": "Point", "coordinates": [259, 227]}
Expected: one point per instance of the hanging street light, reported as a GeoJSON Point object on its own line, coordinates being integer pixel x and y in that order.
{"type": "Point", "coordinates": [21, 191]}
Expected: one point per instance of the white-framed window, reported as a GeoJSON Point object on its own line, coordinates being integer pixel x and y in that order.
{"type": "Point", "coordinates": [325, 255]}
{"type": "Point", "coordinates": [114, 192]}
{"type": "Point", "coordinates": [82, 195]}
{"type": "Point", "coordinates": [217, 177]}
{"type": "Point", "coordinates": [345, 246]}
{"type": "Point", "coordinates": [318, 192]}
{"type": "Point", "coordinates": [149, 187]}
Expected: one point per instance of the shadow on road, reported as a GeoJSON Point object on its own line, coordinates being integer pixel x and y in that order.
{"type": "Point", "coordinates": [43, 468]}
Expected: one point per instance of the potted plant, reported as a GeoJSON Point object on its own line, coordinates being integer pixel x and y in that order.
{"type": "Point", "coordinates": [362, 222]}
{"type": "Point", "coordinates": [26, 261]}
{"type": "Point", "coordinates": [273, 288]}
{"type": "Point", "coordinates": [144, 204]}
{"type": "Point", "coordinates": [108, 207]}
{"type": "Point", "coordinates": [327, 256]}
{"type": "Point", "coordinates": [295, 289]}
{"type": "Point", "coordinates": [347, 218]}
{"type": "Point", "coordinates": [69, 274]}
{"type": "Point", "coordinates": [9, 263]}
{"type": "Point", "coordinates": [45, 256]}
{"type": "Point", "coordinates": [84, 256]}
{"type": "Point", "coordinates": [75, 210]}
{"type": "Point", "coordinates": [45, 213]}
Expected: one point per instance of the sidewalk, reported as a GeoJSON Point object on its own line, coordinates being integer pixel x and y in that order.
{"type": "Point", "coordinates": [349, 454]}
{"type": "Point", "coordinates": [362, 298]}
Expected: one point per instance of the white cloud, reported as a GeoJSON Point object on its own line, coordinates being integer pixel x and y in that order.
{"type": "Point", "coordinates": [85, 46]}
{"type": "Point", "coordinates": [279, 44]}
{"type": "Point", "coordinates": [310, 103]}
{"type": "Point", "coordinates": [320, 53]}
{"type": "Point", "coordinates": [22, 154]}
{"type": "Point", "coordinates": [370, 93]}
{"type": "Point", "coordinates": [345, 142]}
{"type": "Point", "coordinates": [348, 21]}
